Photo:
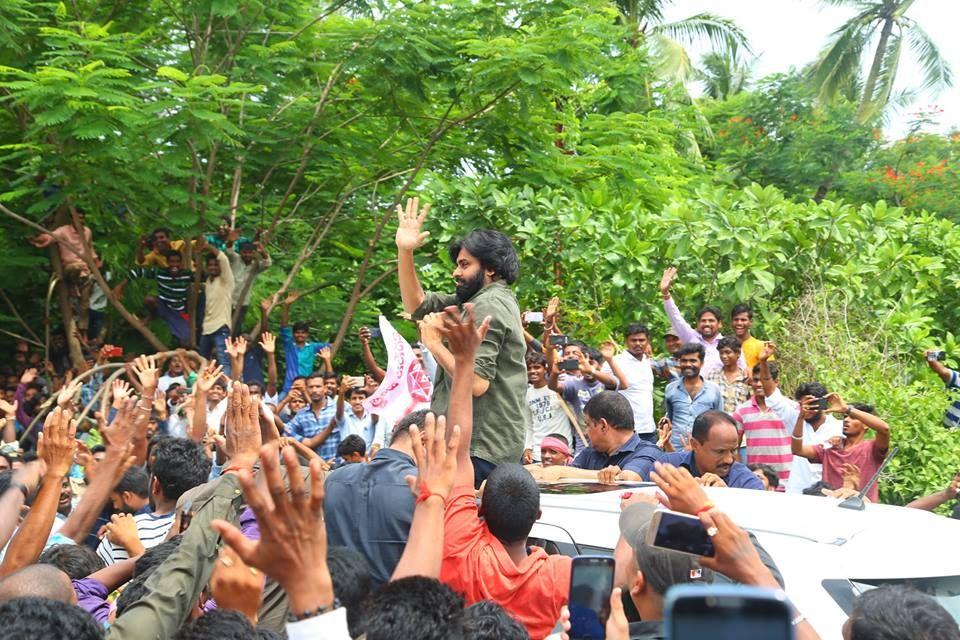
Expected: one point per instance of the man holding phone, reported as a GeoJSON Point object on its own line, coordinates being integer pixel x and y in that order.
{"type": "Point", "coordinates": [934, 358]}
{"type": "Point", "coordinates": [852, 448]}
{"type": "Point", "coordinates": [486, 265]}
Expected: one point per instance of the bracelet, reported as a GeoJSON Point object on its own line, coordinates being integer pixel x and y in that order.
{"type": "Point", "coordinates": [706, 507]}
{"type": "Point", "coordinates": [796, 437]}
{"type": "Point", "coordinates": [426, 494]}
{"type": "Point", "coordinates": [797, 620]}
{"type": "Point", "coordinates": [313, 613]}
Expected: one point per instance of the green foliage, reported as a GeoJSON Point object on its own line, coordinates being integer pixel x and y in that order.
{"type": "Point", "coordinates": [777, 134]}
{"type": "Point", "coordinates": [920, 172]}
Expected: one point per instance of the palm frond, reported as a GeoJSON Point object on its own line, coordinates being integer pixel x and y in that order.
{"type": "Point", "coordinates": [937, 72]}
{"type": "Point", "coordinates": [885, 78]}
{"type": "Point", "coordinates": [724, 34]}
{"type": "Point", "coordinates": [840, 60]}
{"type": "Point", "coordinates": [672, 60]}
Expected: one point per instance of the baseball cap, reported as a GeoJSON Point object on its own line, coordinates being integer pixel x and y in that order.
{"type": "Point", "coordinates": [670, 332]}
{"type": "Point", "coordinates": [661, 568]}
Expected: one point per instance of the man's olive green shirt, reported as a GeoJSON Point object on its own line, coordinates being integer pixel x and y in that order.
{"type": "Point", "coordinates": [500, 415]}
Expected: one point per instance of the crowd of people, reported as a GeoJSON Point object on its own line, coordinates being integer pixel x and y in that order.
{"type": "Point", "coordinates": [213, 493]}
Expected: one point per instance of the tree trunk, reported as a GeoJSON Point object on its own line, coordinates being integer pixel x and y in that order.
{"type": "Point", "coordinates": [866, 102]}
{"type": "Point", "coordinates": [66, 313]}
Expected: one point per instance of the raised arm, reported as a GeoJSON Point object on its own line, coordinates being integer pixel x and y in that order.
{"type": "Point", "coordinates": [464, 337]}
{"type": "Point", "coordinates": [796, 441]}
{"type": "Point", "coordinates": [410, 237]}
{"type": "Point", "coordinates": [269, 345]}
{"type": "Point", "coordinates": [680, 326]}
{"type": "Point", "coordinates": [55, 446]}
{"type": "Point", "coordinates": [437, 462]}
{"type": "Point", "coordinates": [292, 297]}
{"type": "Point", "coordinates": [369, 361]}
{"type": "Point", "coordinates": [941, 369]}
{"type": "Point", "coordinates": [615, 378]}
{"type": "Point", "coordinates": [835, 404]}
{"type": "Point", "coordinates": [767, 352]}
{"type": "Point", "coordinates": [236, 349]}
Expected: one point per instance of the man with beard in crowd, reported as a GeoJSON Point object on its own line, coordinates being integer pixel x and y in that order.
{"type": "Point", "coordinates": [486, 265]}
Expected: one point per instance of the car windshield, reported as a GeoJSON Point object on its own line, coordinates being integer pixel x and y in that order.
{"type": "Point", "coordinates": [946, 590]}
{"type": "Point", "coordinates": [580, 488]}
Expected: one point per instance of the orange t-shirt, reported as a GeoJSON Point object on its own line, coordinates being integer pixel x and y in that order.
{"type": "Point", "coordinates": [476, 565]}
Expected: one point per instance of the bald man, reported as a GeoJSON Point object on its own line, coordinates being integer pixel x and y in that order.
{"type": "Point", "coordinates": [40, 581]}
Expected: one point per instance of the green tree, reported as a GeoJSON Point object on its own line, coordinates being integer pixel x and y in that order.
{"type": "Point", "coordinates": [884, 22]}
{"type": "Point", "coordinates": [722, 76]}
{"type": "Point", "coordinates": [645, 21]}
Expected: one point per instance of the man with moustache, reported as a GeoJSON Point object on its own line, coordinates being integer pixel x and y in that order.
{"type": "Point", "coordinates": [691, 395]}
{"type": "Point", "coordinates": [485, 265]}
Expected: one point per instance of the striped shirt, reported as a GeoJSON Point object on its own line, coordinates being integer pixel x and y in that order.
{"type": "Point", "coordinates": [766, 438]}
{"type": "Point", "coordinates": [172, 288]}
{"type": "Point", "coordinates": [951, 419]}
{"type": "Point", "coordinates": [734, 393]}
{"type": "Point", "coordinates": [152, 529]}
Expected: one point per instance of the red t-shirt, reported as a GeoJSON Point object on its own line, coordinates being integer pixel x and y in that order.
{"type": "Point", "coordinates": [476, 565]}
{"type": "Point", "coordinates": [866, 455]}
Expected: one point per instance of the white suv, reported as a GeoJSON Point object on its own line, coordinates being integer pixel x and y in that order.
{"type": "Point", "coordinates": [827, 555]}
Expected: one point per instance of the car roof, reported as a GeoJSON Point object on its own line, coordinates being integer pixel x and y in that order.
{"type": "Point", "coordinates": [880, 542]}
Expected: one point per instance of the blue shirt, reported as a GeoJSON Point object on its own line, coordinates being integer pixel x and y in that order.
{"type": "Point", "coordinates": [683, 410]}
{"type": "Point", "coordinates": [739, 476]}
{"type": "Point", "coordinates": [369, 507]}
{"type": "Point", "coordinates": [299, 360]}
{"type": "Point", "coordinates": [634, 455]}
{"type": "Point", "coordinates": [307, 424]}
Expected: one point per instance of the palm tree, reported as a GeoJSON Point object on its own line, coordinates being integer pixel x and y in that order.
{"type": "Point", "coordinates": [885, 22]}
{"type": "Point", "coordinates": [645, 17]}
{"type": "Point", "coordinates": [722, 76]}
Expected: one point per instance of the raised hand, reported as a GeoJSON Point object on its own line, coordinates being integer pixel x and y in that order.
{"type": "Point", "coordinates": [120, 391]}
{"type": "Point", "coordinates": [57, 442]}
{"type": "Point", "coordinates": [293, 539]}
{"type": "Point", "coordinates": [121, 431]}
{"type": "Point", "coordinates": [462, 335]}
{"type": "Point", "coordinates": [550, 314]}
{"type": "Point", "coordinates": [768, 351]}
{"type": "Point", "coordinates": [409, 235]}
{"type": "Point", "coordinates": [680, 490]}
{"type": "Point", "coordinates": [268, 302]}
{"type": "Point", "coordinates": [145, 368]}
{"type": "Point", "coordinates": [292, 297]}
{"type": "Point", "coordinates": [667, 280]}
{"type": "Point", "coordinates": [268, 342]}
{"type": "Point", "coordinates": [436, 458]}
{"type": "Point", "coordinates": [953, 488]}
{"type": "Point", "coordinates": [364, 334]}
{"type": "Point", "coordinates": [68, 393]}
{"type": "Point", "coordinates": [324, 354]}
{"type": "Point", "coordinates": [208, 376]}
{"type": "Point", "coordinates": [608, 349]}
{"type": "Point", "coordinates": [243, 437]}
{"type": "Point", "coordinates": [28, 375]}
{"type": "Point", "coordinates": [430, 329]}
{"type": "Point", "coordinates": [664, 431]}
{"type": "Point", "coordinates": [9, 409]}
{"type": "Point", "coordinates": [835, 403]}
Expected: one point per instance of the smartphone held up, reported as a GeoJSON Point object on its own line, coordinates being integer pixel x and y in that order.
{"type": "Point", "coordinates": [591, 582]}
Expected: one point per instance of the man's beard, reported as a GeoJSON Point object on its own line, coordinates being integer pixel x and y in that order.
{"type": "Point", "coordinates": [469, 288]}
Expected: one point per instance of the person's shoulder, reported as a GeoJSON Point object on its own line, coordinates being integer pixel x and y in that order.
{"type": "Point", "coordinates": [674, 457]}
{"type": "Point", "coordinates": [673, 384]}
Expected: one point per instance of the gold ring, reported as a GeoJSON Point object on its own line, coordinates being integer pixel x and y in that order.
{"type": "Point", "coordinates": [712, 531]}
{"type": "Point", "coordinates": [227, 562]}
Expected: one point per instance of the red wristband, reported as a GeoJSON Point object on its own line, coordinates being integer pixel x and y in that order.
{"type": "Point", "coordinates": [706, 507]}
{"type": "Point", "coordinates": [426, 493]}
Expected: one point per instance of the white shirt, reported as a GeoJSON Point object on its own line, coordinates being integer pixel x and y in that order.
{"type": "Point", "coordinates": [547, 416]}
{"type": "Point", "coordinates": [328, 626]}
{"type": "Point", "coordinates": [215, 414]}
{"type": "Point", "coordinates": [803, 473]}
{"type": "Point", "coordinates": [350, 424]}
{"type": "Point", "coordinates": [164, 381]}
{"type": "Point", "coordinates": [639, 374]}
